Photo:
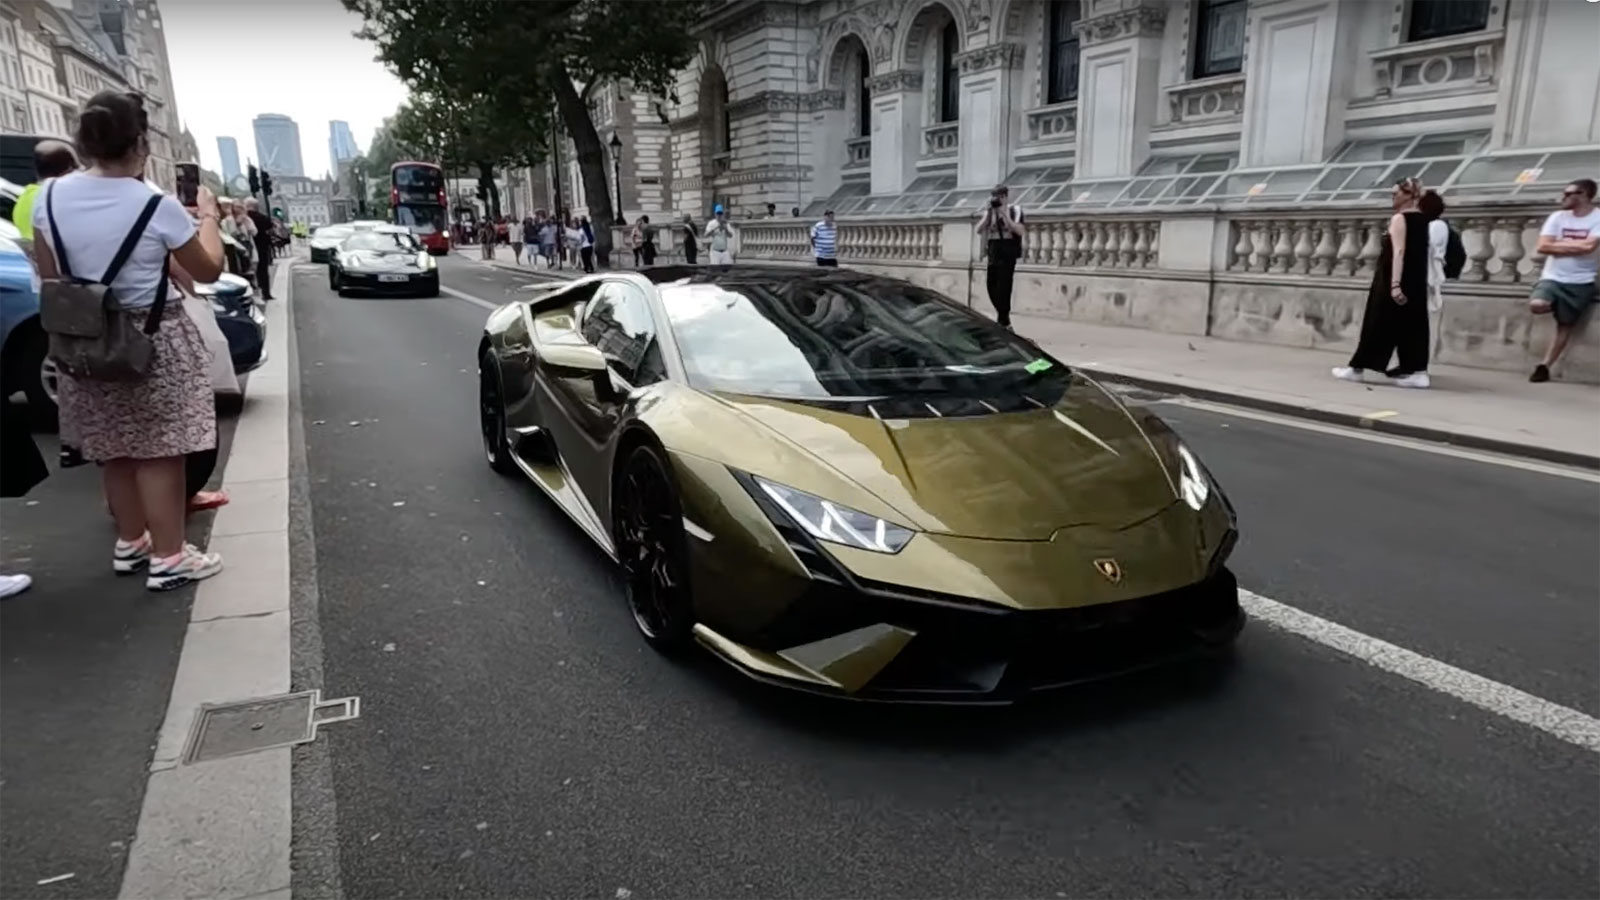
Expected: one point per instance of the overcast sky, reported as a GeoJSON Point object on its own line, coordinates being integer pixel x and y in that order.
{"type": "Point", "coordinates": [234, 59]}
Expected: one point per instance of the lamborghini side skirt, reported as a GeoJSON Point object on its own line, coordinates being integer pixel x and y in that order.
{"type": "Point", "coordinates": [553, 478]}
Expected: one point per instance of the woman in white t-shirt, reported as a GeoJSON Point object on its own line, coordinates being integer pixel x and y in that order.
{"type": "Point", "coordinates": [143, 429]}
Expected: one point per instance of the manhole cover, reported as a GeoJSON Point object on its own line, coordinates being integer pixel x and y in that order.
{"type": "Point", "coordinates": [248, 726]}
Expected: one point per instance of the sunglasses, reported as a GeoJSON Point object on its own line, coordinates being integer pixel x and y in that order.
{"type": "Point", "coordinates": [1571, 192]}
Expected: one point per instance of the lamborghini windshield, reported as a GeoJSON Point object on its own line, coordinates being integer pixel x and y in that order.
{"type": "Point", "coordinates": [820, 338]}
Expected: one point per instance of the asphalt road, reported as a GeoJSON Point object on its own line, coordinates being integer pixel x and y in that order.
{"type": "Point", "coordinates": [518, 739]}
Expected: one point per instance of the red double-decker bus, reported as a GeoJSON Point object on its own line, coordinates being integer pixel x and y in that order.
{"type": "Point", "coordinates": [417, 198]}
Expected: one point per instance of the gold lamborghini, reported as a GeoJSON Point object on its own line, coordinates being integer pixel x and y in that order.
{"type": "Point", "coordinates": [848, 484]}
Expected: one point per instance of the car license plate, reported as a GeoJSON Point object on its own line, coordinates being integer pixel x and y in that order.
{"type": "Point", "coordinates": [394, 277]}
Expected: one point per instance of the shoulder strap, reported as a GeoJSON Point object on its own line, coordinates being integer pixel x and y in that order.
{"type": "Point", "coordinates": [153, 321]}
{"type": "Point", "coordinates": [55, 233]}
{"type": "Point", "coordinates": [131, 241]}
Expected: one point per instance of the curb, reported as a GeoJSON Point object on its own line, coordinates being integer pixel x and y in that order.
{"type": "Point", "coordinates": [1352, 420]}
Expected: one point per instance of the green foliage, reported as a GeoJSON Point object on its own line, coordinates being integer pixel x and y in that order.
{"type": "Point", "coordinates": [495, 69]}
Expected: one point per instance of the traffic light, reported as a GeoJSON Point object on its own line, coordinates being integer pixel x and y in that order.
{"type": "Point", "coordinates": [255, 180]}
{"type": "Point", "coordinates": [266, 183]}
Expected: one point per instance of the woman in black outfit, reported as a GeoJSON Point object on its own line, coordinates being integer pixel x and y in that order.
{"type": "Point", "coordinates": [1396, 319]}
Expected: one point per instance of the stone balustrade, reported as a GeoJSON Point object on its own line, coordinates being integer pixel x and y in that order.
{"type": "Point", "coordinates": [1083, 242]}
{"type": "Point", "coordinates": [1500, 245]}
{"type": "Point", "coordinates": [895, 241]}
{"type": "Point", "coordinates": [943, 139]}
{"type": "Point", "coordinates": [858, 152]}
{"type": "Point", "coordinates": [1053, 123]}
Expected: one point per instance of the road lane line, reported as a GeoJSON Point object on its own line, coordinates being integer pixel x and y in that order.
{"type": "Point", "coordinates": [463, 295]}
{"type": "Point", "coordinates": [1563, 722]}
{"type": "Point", "coordinates": [1482, 456]}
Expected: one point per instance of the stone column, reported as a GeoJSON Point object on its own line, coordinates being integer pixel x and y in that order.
{"type": "Point", "coordinates": [896, 129]}
{"type": "Point", "coordinates": [1119, 86]}
{"type": "Point", "coordinates": [989, 111]}
{"type": "Point", "coordinates": [830, 129]}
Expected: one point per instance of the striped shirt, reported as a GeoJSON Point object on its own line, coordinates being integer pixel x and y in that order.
{"type": "Point", "coordinates": [825, 239]}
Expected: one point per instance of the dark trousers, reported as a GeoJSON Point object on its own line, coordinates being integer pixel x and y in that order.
{"type": "Point", "coordinates": [197, 469]}
{"type": "Point", "coordinates": [690, 253]}
{"type": "Point", "coordinates": [587, 253]}
{"type": "Point", "coordinates": [1389, 328]}
{"type": "Point", "coordinates": [264, 274]}
{"type": "Point", "coordinates": [1002, 272]}
{"type": "Point", "coordinates": [648, 252]}
{"type": "Point", "coordinates": [828, 262]}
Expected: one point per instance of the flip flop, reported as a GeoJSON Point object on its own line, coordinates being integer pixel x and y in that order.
{"type": "Point", "coordinates": [208, 500]}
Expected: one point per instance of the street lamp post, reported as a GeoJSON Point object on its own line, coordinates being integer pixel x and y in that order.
{"type": "Point", "coordinates": [616, 172]}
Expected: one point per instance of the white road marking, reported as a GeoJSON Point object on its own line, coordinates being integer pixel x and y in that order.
{"type": "Point", "coordinates": [1563, 722]}
{"type": "Point", "coordinates": [1482, 456]}
{"type": "Point", "coordinates": [463, 295]}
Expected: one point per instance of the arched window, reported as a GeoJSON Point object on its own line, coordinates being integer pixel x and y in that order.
{"type": "Point", "coordinates": [863, 95]}
{"type": "Point", "coordinates": [949, 74]}
{"type": "Point", "coordinates": [1063, 49]}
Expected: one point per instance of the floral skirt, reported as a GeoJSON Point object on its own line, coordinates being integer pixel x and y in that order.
{"type": "Point", "coordinates": [171, 412]}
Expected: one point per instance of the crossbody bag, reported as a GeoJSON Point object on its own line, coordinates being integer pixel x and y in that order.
{"type": "Point", "coordinates": [91, 336]}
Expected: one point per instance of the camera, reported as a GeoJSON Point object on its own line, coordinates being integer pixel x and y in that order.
{"type": "Point", "coordinates": [994, 202]}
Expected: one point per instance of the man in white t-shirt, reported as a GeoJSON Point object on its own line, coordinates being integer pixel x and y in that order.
{"type": "Point", "coordinates": [720, 238]}
{"type": "Point", "coordinates": [1570, 244]}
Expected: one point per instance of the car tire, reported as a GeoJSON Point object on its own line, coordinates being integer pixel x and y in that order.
{"type": "Point", "coordinates": [29, 346]}
{"type": "Point", "coordinates": [492, 416]}
{"type": "Point", "coordinates": [647, 531]}
{"type": "Point", "coordinates": [333, 280]}
{"type": "Point", "coordinates": [431, 289]}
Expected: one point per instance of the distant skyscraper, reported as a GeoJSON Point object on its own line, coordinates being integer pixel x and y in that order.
{"type": "Point", "coordinates": [341, 143]}
{"type": "Point", "coordinates": [228, 149]}
{"type": "Point", "coordinates": [278, 145]}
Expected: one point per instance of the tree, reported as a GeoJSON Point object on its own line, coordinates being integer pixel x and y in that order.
{"type": "Point", "coordinates": [462, 52]}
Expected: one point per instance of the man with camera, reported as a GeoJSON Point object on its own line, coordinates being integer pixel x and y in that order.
{"type": "Point", "coordinates": [1001, 225]}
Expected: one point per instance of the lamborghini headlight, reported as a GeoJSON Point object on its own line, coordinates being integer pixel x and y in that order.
{"type": "Point", "coordinates": [1192, 483]}
{"type": "Point", "coordinates": [828, 521]}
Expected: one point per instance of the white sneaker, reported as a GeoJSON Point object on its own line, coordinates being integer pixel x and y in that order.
{"type": "Point", "coordinates": [128, 557]}
{"type": "Point", "coordinates": [182, 568]}
{"type": "Point", "coordinates": [1414, 380]}
{"type": "Point", "coordinates": [1346, 373]}
{"type": "Point", "coordinates": [12, 585]}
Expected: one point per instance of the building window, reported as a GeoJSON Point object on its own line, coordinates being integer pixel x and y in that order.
{"type": "Point", "coordinates": [949, 74]}
{"type": "Point", "coordinates": [1063, 52]}
{"type": "Point", "coordinates": [1442, 18]}
{"type": "Point", "coordinates": [863, 94]}
{"type": "Point", "coordinates": [1219, 38]}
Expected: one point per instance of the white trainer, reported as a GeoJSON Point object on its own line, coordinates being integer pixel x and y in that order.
{"type": "Point", "coordinates": [1414, 380]}
{"type": "Point", "coordinates": [1345, 373]}
{"type": "Point", "coordinates": [182, 568]}
{"type": "Point", "coordinates": [12, 585]}
{"type": "Point", "coordinates": [128, 557]}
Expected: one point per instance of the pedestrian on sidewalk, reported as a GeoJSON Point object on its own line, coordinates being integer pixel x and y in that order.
{"type": "Point", "coordinates": [530, 239]}
{"type": "Point", "coordinates": [1396, 319]}
{"type": "Point", "coordinates": [1570, 243]}
{"type": "Point", "coordinates": [647, 241]}
{"type": "Point", "coordinates": [51, 159]}
{"type": "Point", "coordinates": [486, 237]}
{"type": "Point", "coordinates": [264, 227]}
{"type": "Point", "coordinates": [721, 235]}
{"type": "Point", "coordinates": [514, 238]}
{"type": "Point", "coordinates": [1001, 224]}
{"type": "Point", "coordinates": [636, 243]}
{"type": "Point", "coordinates": [691, 242]}
{"type": "Point", "coordinates": [142, 430]}
{"type": "Point", "coordinates": [548, 234]}
{"type": "Point", "coordinates": [825, 241]}
{"type": "Point", "coordinates": [586, 244]}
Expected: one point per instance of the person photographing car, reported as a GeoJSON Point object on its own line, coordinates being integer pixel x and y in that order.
{"type": "Point", "coordinates": [1001, 225]}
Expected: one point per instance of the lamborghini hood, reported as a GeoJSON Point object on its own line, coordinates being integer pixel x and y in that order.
{"type": "Point", "coordinates": [1003, 476]}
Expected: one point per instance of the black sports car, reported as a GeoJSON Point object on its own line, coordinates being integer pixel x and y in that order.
{"type": "Point", "coordinates": [383, 261]}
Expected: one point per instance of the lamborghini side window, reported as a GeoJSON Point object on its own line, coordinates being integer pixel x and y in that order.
{"type": "Point", "coordinates": [618, 321]}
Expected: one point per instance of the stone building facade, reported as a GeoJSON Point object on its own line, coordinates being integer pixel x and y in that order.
{"type": "Point", "coordinates": [1204, 166]}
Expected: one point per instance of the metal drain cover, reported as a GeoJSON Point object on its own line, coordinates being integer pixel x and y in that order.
{"type": "Point", "coordinates": [263, 723]}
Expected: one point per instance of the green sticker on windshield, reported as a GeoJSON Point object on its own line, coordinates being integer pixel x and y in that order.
{"type": "Point", "coordinates": [1037, 366]}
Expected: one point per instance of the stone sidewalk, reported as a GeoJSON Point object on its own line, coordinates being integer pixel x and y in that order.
{"type": "Point", "coordinates": [1488, 410]}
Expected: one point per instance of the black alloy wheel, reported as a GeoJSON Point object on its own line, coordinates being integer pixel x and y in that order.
{"type": "Point", "coordinates": [649, 536]}
{"type": "Point", "coordinates": [492, 416]}
{"type": "Point", "coordinates": [333, 279]}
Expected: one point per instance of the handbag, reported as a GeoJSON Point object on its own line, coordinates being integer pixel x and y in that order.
{"type": "Point", "coordinates": [91, 336]}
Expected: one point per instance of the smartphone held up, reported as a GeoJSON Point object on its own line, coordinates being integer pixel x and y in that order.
{"type": "Point", "coordinates": [188, 183]}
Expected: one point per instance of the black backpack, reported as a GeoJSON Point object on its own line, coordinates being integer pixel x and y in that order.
{"type": "Point", "coordinates": [1455, 254]}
